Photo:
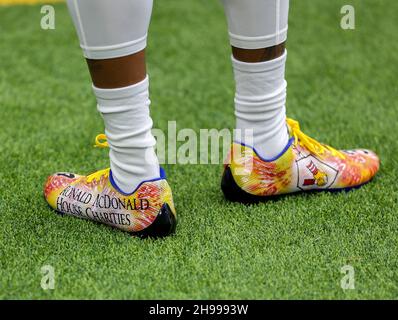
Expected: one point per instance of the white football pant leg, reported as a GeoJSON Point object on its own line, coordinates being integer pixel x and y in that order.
{"type": "Point", "coordinates": [111, 28]}
{"type": "Point", "coordinates": [255, 24]}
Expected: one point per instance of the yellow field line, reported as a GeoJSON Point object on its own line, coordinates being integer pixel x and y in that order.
{"type": "Point", "coordinates": [15, 2]}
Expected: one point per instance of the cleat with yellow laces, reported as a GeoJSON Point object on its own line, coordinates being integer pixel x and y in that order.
{"type": "Point", "coordinates": [304, 165]}
{"type": "Point", "coordinates": [146, 212]}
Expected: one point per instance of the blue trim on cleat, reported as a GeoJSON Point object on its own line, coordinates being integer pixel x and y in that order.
{"type": "Point", "coordinates": [289, 143]}
{"type": "Point", "coordinates": [162, 174]}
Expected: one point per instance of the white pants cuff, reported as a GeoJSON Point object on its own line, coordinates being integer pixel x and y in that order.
{"type": "Point", "coordinates": [258, 42]}
{"type": "Point", "coordinates": [110, 29]}
{"type": "Point", "coordinates": [114, 51]}
{"type": "Point", "coordinates": [256, 24]}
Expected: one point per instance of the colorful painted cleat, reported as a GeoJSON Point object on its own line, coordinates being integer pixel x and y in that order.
{"type": "Point", "coordinates": [304, 165]}
{"type": "Point", "coordinates": [146, 212]}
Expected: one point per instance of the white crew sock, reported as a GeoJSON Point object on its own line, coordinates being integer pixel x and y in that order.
{"type": "Point", "coordinates": [260, 104]}
{"type": "Point", "coordinates": [128, 128]}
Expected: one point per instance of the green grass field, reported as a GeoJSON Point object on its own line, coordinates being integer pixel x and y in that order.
{"type": "Point", "coordinates": [342, 89]}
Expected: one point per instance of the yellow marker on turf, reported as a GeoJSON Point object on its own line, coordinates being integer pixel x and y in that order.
{"type": "Point", "coordinates": [16, 2]}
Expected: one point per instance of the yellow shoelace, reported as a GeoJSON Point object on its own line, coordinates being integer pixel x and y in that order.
{"type": "Point", "coordinates": [100, 142]}
{"type": "Point", "coordinates": [311, 144]}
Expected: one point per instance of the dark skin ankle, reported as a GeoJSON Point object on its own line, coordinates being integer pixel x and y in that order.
{"type": "Point", "coordinates": [118, 72]}
{"type": "Point", "coordinates": [258, 55]}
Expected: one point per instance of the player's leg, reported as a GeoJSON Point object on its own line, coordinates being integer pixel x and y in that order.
{"type": "Point", "coordinates": [282, 159]}
{"type": "Point", "coordinates": [134, 192]}
{"type": "Point", "coordinates": [258, 30]}
{"type": "Point", "coordinates": [113, 38]}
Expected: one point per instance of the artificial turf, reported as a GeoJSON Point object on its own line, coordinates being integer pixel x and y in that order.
{"type": "Point", "coordinates": [342, 89]}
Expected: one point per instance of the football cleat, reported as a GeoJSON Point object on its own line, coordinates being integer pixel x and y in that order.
{"type": "Point", "coordinates": [304, 165]}
{"type": "Point", "coordinates": [146, 212]}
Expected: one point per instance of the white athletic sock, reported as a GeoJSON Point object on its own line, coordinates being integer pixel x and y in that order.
{"type": "Point", "coordinates": [128, 128]}
{"type": "Point", "coordinates": [260, 104]}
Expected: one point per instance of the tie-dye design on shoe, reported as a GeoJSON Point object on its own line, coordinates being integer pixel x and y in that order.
{"type": "Point", "coordinates": [148, 211]}
{"type": "Point", "coordinates": [303, 165]}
